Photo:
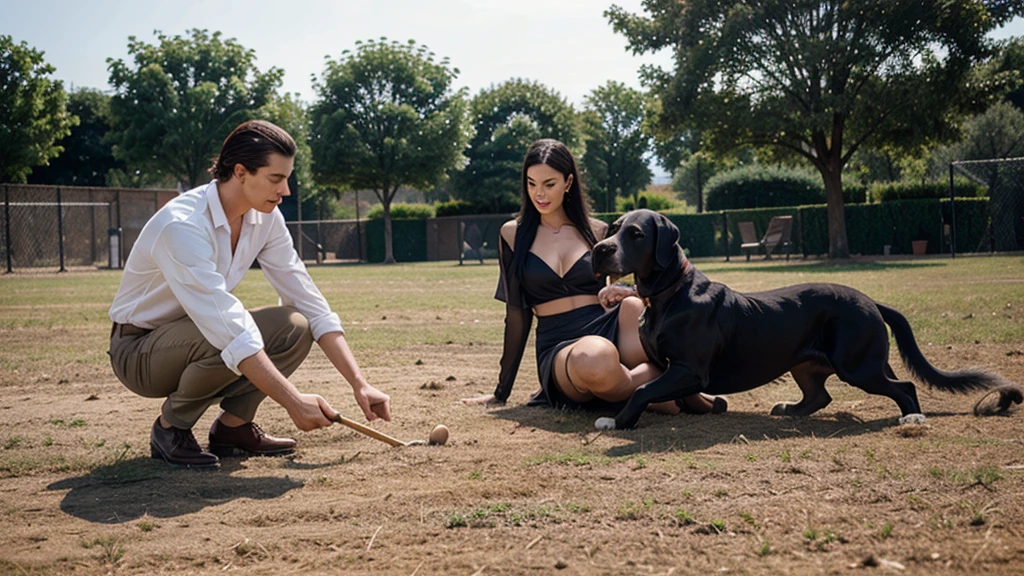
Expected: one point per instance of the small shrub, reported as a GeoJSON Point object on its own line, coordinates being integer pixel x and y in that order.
{"type": "Point", "coordinates": [455, 208]}
{"type": "Point", "coordinates": [763, 187]}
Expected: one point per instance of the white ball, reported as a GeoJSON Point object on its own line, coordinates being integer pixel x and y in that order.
{"type": "Point", "coordinates": [439, 435]}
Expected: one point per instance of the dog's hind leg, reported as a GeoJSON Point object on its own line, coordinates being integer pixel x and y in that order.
{"type": "Point", "coordinates": [903, 393]}
{"type": "Point", "coordinates": [810, 377]}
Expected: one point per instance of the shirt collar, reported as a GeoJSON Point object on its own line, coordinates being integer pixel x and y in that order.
{"type": "Point", "coordinates": [220, 219]}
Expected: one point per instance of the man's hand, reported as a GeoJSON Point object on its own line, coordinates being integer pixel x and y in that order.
{"type": "Point", "coordinates": [311, 412]}
{"type": "Point", "coordinates": [375, 404]}
{"type": "Point", "coordinates": [609, 296]}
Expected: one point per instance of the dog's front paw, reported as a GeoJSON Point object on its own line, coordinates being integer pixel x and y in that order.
{"type": "Point", "coordinates": [912, 419]}
{"type": "Point", "coordinates": [605, 423]}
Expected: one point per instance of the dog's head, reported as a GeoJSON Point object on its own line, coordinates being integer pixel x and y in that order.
{"type": "Point", "coordinates": [643, 243]}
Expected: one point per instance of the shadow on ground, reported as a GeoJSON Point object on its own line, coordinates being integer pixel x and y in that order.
{"type": "Point", "coordinates": [660, 433]}
{"type": "Point", "coordinates": [129, 489]}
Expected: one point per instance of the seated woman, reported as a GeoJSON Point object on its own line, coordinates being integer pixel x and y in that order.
{"type": "Point", "coordinates": [587, 342]}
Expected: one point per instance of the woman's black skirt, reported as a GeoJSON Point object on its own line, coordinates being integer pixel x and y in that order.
{"type": "Point", "coordinates": [560, 330]}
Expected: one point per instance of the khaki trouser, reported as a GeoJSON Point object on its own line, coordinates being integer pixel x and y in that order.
{"type": "Point", "coordinates": [176, 362]}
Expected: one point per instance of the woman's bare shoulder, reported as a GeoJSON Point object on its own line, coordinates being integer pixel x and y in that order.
{"type": "Point", "coordinates": [508, 232]}
{"type": "Point", "coordinates": [599, 227]}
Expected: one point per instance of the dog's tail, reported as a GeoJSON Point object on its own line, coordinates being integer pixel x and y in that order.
{"type": "Point", "coordinates": [961, 381]}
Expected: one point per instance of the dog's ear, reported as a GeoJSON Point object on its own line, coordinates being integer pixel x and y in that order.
{"type": "Point", "coordinates": [666, 248]}
{"type": "Point", "coordinates": [613, 228]}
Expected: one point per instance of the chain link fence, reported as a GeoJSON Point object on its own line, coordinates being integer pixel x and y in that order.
{"type": "Point", "coordinates": [329, 240]}
{"type": "Point", "coordinates": [57, 227]}
{"type": "Point", "coordinates": [1004, 179]}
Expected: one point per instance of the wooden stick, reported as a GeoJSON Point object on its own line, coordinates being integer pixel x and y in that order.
{"type": "Point", "coordinates": [374, 537]}
{"type": "Point", "coordinates": [368, 431]}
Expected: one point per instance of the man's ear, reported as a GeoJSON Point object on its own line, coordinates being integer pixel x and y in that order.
{"type": "Point", "coordinates": [666, 244]}
{"type": "Point", "coordinates": [239, 171]}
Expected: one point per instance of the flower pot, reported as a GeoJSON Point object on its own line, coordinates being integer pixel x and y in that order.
{"type": "Point", "coordinates": [920, 247]}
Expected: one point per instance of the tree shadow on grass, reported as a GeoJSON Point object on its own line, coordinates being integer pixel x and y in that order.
{"type": "Point", "coordinates": [821, 267]}
{"type": "Point", "coordinates": [129, 489]}
{"type": "Point", "coordinates": [685, 432]}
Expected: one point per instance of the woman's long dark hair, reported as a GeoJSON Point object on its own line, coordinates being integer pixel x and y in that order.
{"type": "Point", "coordinates": [576, 203]}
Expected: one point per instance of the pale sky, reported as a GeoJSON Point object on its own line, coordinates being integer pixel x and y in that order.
{"type": "Point", "coordinates": [567, 45]}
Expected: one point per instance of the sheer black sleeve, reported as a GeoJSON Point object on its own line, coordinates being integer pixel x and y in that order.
{"type": "Point", "coordinates": [518, 322]}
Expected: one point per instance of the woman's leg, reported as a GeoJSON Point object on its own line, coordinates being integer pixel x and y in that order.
{"type": "Point", "coordinates": [589, 368]}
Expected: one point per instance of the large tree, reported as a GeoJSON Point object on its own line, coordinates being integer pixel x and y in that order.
{"type": "Point", "coordinates": [178, 99]}
{"type": "Point", "coordinates": [617, 144]}
{"type": "Point", "coordinates": [87, 158]}
{"type": "Point", "coordinates": [507, 118]}
{"type": "Point", "coordinates": [33, 111]}
{"type": "Point", "coordinates": [817, 79]}
{"type": "Point", "coordinates": [387, 116]}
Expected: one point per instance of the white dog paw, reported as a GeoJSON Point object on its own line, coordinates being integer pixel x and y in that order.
{"type": "Point", "coordinates": [912, 419]}
{"type": "Point", "coordinates": [605, 423]}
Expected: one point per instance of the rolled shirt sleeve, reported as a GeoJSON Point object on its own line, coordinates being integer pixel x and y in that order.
{"type": "Point", "coordinates": [289, 277]}
{"type": "Point", "coordinates": [186, 258]}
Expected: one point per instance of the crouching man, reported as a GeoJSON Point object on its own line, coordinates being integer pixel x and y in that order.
{"type": "Point", "coordinates": [179, 333]}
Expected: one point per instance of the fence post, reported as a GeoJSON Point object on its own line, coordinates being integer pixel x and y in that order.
{"type": "Point", "coordinates": [120, 242]}
{"type": "Point", "coordinates": [60, 230]}
{"type": "Point", "coordinates": [952, 214]}
{"type": "Point", "coordinates": [7, 226]}
{"type": "Point", "coordinates": [92, 230]}
{"type": "Point", "coordinates": [725, 234]}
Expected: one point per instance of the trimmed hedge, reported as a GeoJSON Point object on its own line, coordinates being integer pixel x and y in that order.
{"type": "Point", "coordinates": [455, 208]}
{"type": "Point", "coordinates": [890, 191]}
{"type": "Point", "coordinates": [402, 211]}
{"type": "Point", "coordinates": [763, 187]}
{"type": "Point", "coordinates": [869, 227]}
{"type": "Point", "coordinates": [408, 240]}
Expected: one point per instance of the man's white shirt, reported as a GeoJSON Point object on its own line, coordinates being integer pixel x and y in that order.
{"type": "Point", "coordinates": [182, 265]}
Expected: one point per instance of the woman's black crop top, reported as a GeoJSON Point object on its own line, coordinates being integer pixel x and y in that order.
{"type": "Point", "coordinates": [539, 284]}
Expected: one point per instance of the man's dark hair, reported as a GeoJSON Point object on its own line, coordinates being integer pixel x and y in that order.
{"type": "Point", "coordinates": [251, 144]}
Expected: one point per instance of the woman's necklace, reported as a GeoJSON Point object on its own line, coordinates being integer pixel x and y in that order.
{"type": "Point", "coordinates": [554, 229]}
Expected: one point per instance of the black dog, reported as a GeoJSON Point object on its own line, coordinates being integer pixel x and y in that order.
{"type": "Point", "coordinates": [708, 338]}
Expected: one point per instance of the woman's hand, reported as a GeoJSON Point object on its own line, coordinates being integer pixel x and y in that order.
{"type": "Point", "coordinates": [610, 296]}
{"type": "Point", "coordinates": [487, 399]}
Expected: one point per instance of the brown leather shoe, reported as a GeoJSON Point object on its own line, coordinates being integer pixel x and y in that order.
{"type": "Point", "coordinates": [247, 440]}
{"type": "Point", "coordinates": [179, 447]}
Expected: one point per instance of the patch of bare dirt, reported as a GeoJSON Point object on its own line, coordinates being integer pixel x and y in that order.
{"type": "Point", "coordinates": [515, 490]}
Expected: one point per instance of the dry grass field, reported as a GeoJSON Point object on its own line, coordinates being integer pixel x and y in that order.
{"type": "Point", "coordinates": [516, 490]}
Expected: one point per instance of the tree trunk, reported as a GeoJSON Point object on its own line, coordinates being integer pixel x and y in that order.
{"type": "Point", "coordinates": [838, 246]}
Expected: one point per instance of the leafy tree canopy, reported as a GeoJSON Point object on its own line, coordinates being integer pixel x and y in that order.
{"type": "Point", "coordinates": [507, 118]}
{"type": "Point", "coordinates": [387, 116]}
{"type": "Point", "coordinates": [818, 78]}
{"type": "Point", "coordinates": [178, 99]}
{"type": "Point", "coordinates": [617, 144]}
{"type": "Point", "coordinates": [33, 114]}
{"type": "Point", "coordinates": [87, 159]}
